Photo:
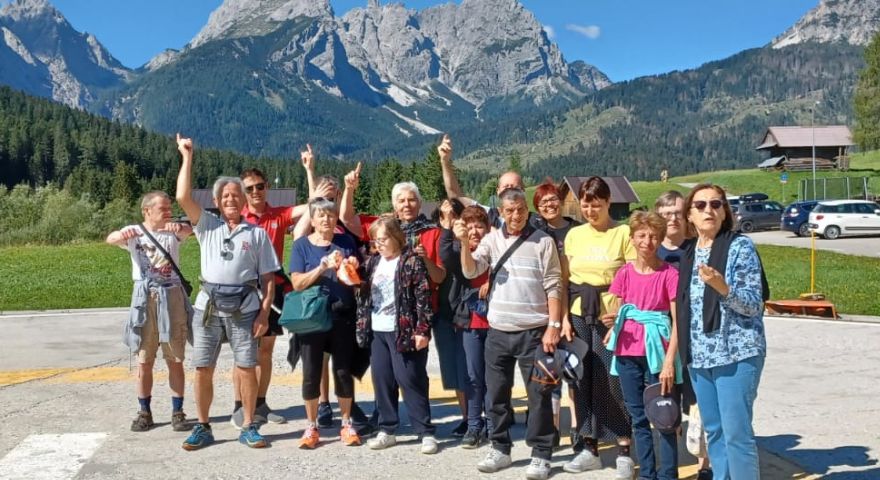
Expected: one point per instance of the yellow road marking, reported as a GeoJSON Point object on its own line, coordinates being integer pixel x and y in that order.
{"type": "Point", "coordinates": [21, 376]}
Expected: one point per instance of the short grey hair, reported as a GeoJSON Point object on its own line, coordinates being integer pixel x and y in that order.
{"type": "Point", "coordinates": [668, 199]}
{"type": "Point", "coordinates": [321, 205]}
{"type": "Point", "coordinates": [402, 187]}
{"type": "Point", "coordinates": [513, 194]}
{"type": "Point", "coordinates": [150, 197]}
{"type": "Point", "coordinates": [221, 183]}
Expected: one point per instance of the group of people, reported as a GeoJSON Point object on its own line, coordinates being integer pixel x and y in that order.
{"type": "Point", "coordinates": [666, 306]}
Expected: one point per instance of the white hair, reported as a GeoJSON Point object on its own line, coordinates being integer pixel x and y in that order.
{"type": "Point", "coordinates": [221, 183]}
{"type": "Point", "coordinates": [401, 187]}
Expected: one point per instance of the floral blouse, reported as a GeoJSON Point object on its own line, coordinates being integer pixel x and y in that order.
{"type": "Point", "coordinates": [413, 293]}
{"type": "Point", "coordinates": [741, 335]}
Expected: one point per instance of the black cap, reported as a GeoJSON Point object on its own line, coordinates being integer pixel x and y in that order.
{"type": "Point", "coordinates": [546, 370]}
{"type": "Point", "coordinates": [663, 412]}
{"type": "Point", "coordinates": [570, 355]}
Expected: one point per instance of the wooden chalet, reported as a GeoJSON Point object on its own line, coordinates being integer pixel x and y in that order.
{"type": "Point", "coordinates": [622, 195]}
{"type": "Point", "coordinates": [791, 148]}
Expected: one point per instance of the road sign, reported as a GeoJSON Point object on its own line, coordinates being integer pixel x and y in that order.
{"type": "Point", "coordinates": [783, 179]}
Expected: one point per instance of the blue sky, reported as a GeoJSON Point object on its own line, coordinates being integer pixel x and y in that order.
{"type": "Point", "coordinates": [624, 38]}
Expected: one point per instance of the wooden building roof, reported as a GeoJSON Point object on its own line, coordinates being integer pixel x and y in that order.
{"type": "Point", "coordinates": [795, 137]}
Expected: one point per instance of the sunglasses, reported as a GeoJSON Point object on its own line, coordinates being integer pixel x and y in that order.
{"type": "Point", "coordinates": [701, 204]}
{"type": "Point", "coordinates": [258, 186]}
{"type": "Point", "coordinates": [226, 251]}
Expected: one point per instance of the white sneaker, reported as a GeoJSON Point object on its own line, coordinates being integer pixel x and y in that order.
{"type": "Point", "coordinates": [382, 441]}
{"type": "Point", "coordinates": [583, 462]}
{"type": "Point", "coordinates": [626, 468]}
{"type": "Point", "coordinates": [539, 469]}
{"type": "Point", "coordinates": [429, 445]}
{"type": "Point", "coordinates": [494, 461]}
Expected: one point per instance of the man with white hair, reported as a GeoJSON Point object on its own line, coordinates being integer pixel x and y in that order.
{"type": "Point", "coordinates": [237, 260]}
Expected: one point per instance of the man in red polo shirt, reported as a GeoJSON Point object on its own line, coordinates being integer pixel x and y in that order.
{"type": "Point", "coordinates": [275, 221]}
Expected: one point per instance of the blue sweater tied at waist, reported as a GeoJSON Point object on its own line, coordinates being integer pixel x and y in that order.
{"type": "Point", "coordinates": [657, 329]}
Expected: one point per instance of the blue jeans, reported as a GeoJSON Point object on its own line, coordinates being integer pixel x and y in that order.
{"type": "Point", "coordinates": [633, 371]}
{"type": "Point", "coordinates": [474, 342]}
{"type": "Point", "coordinates": [726, 395]}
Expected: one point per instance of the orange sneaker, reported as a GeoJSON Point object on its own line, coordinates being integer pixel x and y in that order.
{"type": "Point", "coordinates": [310, 438]}
{"type": "Point", "coordinates": [349, 436]}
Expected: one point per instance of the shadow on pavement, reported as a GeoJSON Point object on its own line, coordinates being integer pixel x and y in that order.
{"type": "Point", "coordinates": [821, 461]}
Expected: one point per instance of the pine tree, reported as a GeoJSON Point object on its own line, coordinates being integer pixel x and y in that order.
{"type": "Point", "coordinates": [428, 176]}
{"type": "Point", "coordinates": [866, 100]}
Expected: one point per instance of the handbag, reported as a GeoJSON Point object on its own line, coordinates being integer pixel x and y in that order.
{"type": "Point", "coordinates": [306, 311]}
{"type": "Point", "coordinates": [187, 287]}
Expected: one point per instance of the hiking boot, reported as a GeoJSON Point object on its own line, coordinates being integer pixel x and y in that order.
{"type": "Point", "coordinates": [143, 422]}
{"type": "Point", "coordinates": [349, 436]}
{"type": "Point", "coordinates": [473, 438]}
{"type": "Point", "coordinates": [200, 437]}
{"type": "Point", "coordinates": [429, 445]}
{"type": "Point", "coordinates": [705, 474]}
{"type": "Point", "coordinates": [460, 429]}
{"type": "Point", "coordinates": [626, 468]}
{"type": "Point", "coordinates": [178, 421]}
{"type": "Point", "coordinates": [584, 461]}
{"type": "Point", "coordinates": [264, 414]}
{"type": "Point", "coordinates": [310, 438]}
{"type": "Point", "coordinates": [251, 436]}
{"type": "Point", "coordinates": [325, 415]}
{"type": "Point", "coordinates": [539, 469]}
{"type": "Point", "coordinates": [382, 441]}
{"type": "Point", "coordinates": [237, 418]}
{"type": "Point", "coordinates": [495, 460]}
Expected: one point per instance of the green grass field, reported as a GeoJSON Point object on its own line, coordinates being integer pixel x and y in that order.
{"type": "Point", "coordinates": [96, 275]}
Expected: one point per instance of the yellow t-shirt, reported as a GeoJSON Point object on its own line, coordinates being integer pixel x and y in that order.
{"type": "Point", "coordinates": [595, 257]}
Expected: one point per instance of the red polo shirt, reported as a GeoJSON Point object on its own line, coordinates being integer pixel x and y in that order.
{"type": "Point", "coordinates": [275, 221]}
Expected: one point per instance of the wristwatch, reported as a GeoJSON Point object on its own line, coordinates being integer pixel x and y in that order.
{"type": "Point", "coordinates": [554, 324]}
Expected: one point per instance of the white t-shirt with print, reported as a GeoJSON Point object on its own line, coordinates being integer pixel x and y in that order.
{"type": "Point", "coordinates": [384, 314]}
{"type": "Point", "coordinates": [147, 260]}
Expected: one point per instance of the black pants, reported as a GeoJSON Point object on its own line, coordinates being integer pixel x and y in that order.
{"type": "Point", "coordinates": [393, 371]}
{"type": "Point", "coordinates": [340, 343]}
{"type": "Point", "coordinates": [503, 351]}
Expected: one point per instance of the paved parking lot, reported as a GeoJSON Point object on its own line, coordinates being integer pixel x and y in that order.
{"type": "Point", "coordinates": [864, 246]}
{"type": "Point", "coordinates": [67, 397]}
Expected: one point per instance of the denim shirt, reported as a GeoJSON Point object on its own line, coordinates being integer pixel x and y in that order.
{"type": "Point", "coordinates": [741, 335]}
{"type": "Point", "coordinates": [140, 295]}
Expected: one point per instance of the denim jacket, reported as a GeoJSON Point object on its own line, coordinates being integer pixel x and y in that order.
{"type": "Point", "coordinates": [140, 296]}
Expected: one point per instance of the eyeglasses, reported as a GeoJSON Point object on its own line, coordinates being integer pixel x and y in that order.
{"type": "Point", "coordinates": [701, 204]}
{"type": "Point", "coordinates": [671, 215]}
{"type": "Point", "coordinates": [548, 201]}
{"type": "Point", "coordinates": [226, 251]}
{"type": "Point", "coordinates": [259, 186]}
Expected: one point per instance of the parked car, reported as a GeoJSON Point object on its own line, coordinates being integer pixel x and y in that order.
{"type": "Point", "coordinates": [796, 217]}
{"type": "Point", "coordinates": [753, 216]}
{"type": "Point", "coordinates": [845, 217]}
{"type": "Point", "coordinates": [736, 200]}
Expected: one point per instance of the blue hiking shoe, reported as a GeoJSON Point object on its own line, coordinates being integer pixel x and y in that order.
{"type": "Point", "coordinates": [200, 437]}
{"type": "Point", "coordinates": [251, 437]}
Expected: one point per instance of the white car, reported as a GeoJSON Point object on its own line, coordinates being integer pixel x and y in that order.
{"type": "Point", "coordinates": [845, 217]}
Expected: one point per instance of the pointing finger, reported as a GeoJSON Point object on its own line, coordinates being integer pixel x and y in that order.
{"type": "Point", "coordinates": [309, 147]}
{"type": "Point", "coordinates": [357, 169]}
{"type": "Point", "coordinates": [178, 136]}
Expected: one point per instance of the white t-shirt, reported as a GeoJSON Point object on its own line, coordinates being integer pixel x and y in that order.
{"type": "Point", "coordinates": [384, 315]}
{"type": "Point", "coordinates": [149, 261]}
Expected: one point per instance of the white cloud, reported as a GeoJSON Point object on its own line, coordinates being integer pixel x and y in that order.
{"type": "Point", "coordinates": [590, 31]}
{"type": "Point", "coordinates": [551, 32]}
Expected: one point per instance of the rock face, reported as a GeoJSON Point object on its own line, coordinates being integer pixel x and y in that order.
{"type": "Point", "coordinates": [247, 18]}
{"type": "Point", "coordinates": [853, 21]}
{"type": "Point", "coordinates": [42, 54]}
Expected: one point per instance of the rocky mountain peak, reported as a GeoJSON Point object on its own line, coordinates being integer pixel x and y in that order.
{"type": "Point", "coordinates": [242, 18]}
{"type": "Point", "coordinates": [19, 10]}
{"type": "Point", "coordinates": [852, 21]}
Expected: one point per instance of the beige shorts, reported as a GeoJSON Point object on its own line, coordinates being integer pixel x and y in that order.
{"type": "Point", "coordinates": [172, 351]}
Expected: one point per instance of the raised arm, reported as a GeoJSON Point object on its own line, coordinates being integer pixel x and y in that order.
{"type": "Point", "coordinates": [184, 181]}
{"type": "Point", "coordinates": [347, 215]}
{"type": "Point", "coordinates": [308, 162]}
{"type": "Point", "coordinates": [450, 180]}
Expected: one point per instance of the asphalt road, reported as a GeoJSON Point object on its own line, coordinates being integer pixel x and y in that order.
{"type": "Point", "coordinates": [67, 398]}
{"type": "Point", "coordinates": [864, 246]}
